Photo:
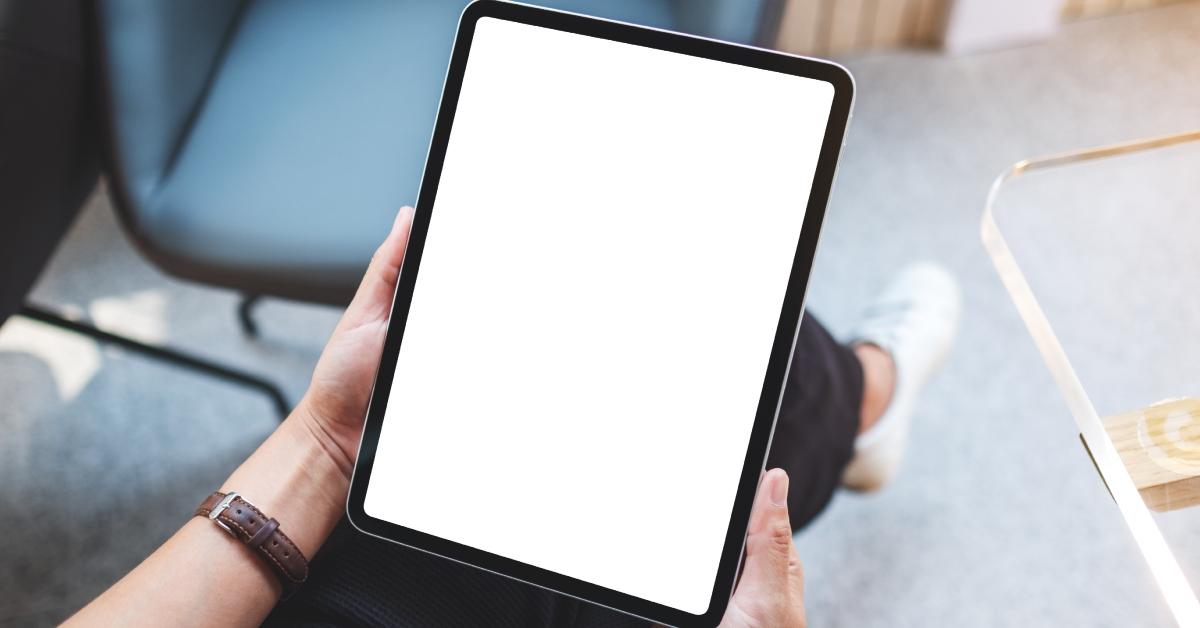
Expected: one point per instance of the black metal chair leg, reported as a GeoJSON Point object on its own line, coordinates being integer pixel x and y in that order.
{"type": "Point", "coordinates": [173, 356]}
{"type": "Point", "coordinates": [246, 314]}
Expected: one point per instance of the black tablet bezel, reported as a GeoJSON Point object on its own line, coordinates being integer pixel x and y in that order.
{"type": "Point", "coordinates": [781, 350]}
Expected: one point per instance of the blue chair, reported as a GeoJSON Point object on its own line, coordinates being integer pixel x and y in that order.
{"type": "Point", "coordinates": [258, 145]}
{"type": "Point", "coordinates": [265, 145]}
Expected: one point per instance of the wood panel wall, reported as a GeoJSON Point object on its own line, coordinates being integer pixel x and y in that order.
{"type": "Point", "coordinates": [833, 27]}
{"type": "Point", "coordinates": [1075, 9]}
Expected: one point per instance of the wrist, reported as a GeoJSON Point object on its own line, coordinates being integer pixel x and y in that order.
{"type": "Point", "coordinates": [294, 478]}
{"type": "Point", "coordinates": [327, 436]}
{"type": "Point", "coordinates": [335, 434]}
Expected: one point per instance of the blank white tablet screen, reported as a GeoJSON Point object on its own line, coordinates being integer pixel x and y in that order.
{"type": "Point", "coordinates": [601, 282]}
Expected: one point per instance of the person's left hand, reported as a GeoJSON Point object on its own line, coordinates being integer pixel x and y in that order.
{"type": "Point", "coordinates": [336, 402]}
{"type": "Point", "coordinates": [771, 590]}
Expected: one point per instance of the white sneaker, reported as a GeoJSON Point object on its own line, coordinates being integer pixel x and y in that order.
{"type": "Point", "coordinates": [914, 319]}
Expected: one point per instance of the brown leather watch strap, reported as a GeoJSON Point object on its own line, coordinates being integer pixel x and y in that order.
{"type": "Point", "coordinates": [259, 532]}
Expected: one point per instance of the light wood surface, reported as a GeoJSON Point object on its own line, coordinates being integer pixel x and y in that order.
{"type": "Point", "coordinates": [846, 25]}
{"type": "Point", "coordinates": [1160, 446]}
{"type": "Point", "coordinates": [887, 23]}
{"type": "Point", "coordinates": [1073, 9]}
{"type": "Point", "coordinates": [832, 27]}
{"type": "Point", "coordinates": [798, 27]}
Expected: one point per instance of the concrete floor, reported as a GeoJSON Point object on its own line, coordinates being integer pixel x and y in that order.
{"type": "Point", "coordinates": [997, 518]}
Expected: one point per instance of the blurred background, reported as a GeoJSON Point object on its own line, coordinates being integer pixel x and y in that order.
{"type": "Point", "coordinates": [205, 181]}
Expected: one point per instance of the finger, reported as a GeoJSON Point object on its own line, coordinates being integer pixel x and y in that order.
{"type": "Point", "coordinates": [373, 300]}
{"type": "Point", "coordinates": [769, 547]}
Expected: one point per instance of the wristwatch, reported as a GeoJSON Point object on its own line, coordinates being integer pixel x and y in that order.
{"type": "Point", "coordinates": [241, 520]}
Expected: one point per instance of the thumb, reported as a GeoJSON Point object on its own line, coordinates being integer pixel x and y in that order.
{"type": "Point", "coordinates": [769, 549]}
{"type": "Point", "coordinates": [373, 300]}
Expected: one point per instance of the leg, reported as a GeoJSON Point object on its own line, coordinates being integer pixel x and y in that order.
{"type": "Point", "coordinates": [846, 409]}
{"type": "Point", "coordinates": [818, 420]}
{"type": "Point", "coordinates": [879, 382]}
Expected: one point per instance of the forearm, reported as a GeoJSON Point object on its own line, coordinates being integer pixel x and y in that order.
{"type": "Point", "coordinates": [202, 575]}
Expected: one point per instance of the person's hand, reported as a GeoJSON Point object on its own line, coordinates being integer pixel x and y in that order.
{"type": "Point", "coordinates": [771, 591]}
{"type": "Point", "coordinates": [336, 402]}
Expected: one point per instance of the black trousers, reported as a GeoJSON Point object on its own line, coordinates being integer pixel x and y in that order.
{"type": "Point", "coordinates": [358, 580]}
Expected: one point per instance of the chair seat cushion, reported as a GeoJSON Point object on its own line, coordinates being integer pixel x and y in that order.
{"type": "Point", "coordinates": [312, 132]}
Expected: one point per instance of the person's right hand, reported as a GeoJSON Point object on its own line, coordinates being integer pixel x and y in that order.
{"type": "Point", "coordinates": [771, 591]}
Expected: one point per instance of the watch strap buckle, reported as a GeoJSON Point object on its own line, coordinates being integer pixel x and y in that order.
{"type": "Point", "coordinates": [221, 507]}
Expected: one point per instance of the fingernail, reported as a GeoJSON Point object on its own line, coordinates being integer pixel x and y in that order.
{"type": "Point", "coordinates": [400, 217]}
{"type": "Point", "coordinates": [779, 488]}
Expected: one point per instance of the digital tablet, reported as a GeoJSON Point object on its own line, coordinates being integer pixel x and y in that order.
{"type": "Point", "coordinates": [597, 308]}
